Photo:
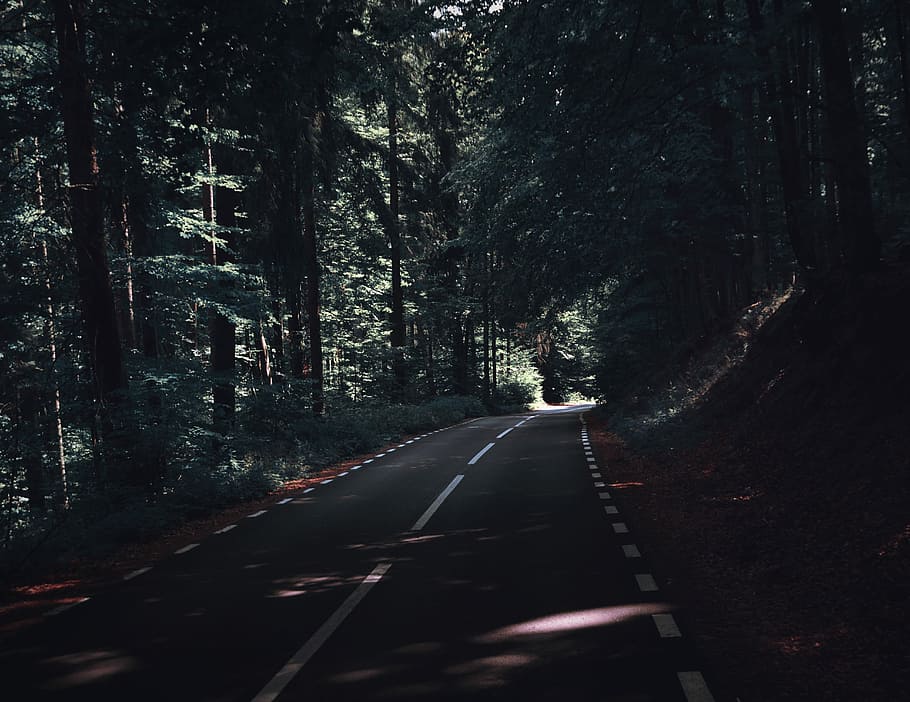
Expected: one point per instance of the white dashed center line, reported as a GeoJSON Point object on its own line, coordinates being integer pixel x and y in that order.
{"type": "Point", "coordinates": [604, 495]}
{"type": "Point", "coordinates": [480, 453]}
{"type": "Point", "coordinates": [620, 528]}
{"type": "Point", "coordinates": [326, 482]}
{"type": "Point", "coordinates": [277, 684]}
{"type": "Point", "coordinates": [341, 475]}
{"type": "Point", "coordinates": [308, 490]}
{"type": "Point", "coordinates": [499, 436]}
{"type": "Point", "coordinates": [610, 509]}
{"type": "Point", "coordinates": [185, 549]}
{"type": "Point", "coordinates": [256, 514]}
{"type": "Point", "coordinates": [431, 510]}
{"type": "Point", "coordinates": [226, 529]}
{"type": "Point", "coordinates": [284, 501]}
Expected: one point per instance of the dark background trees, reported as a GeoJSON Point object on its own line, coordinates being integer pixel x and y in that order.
{"type": "Point", "coordinates": [234, 233]}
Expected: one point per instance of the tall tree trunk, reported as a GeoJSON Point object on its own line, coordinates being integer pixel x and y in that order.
{"type": "Point", "coordinates": [397, 336]}
{"type": "Point", "coordinates": [223, 332]}
{"type": "Point", "coordinates": [901, 35]}
{"type": "Point", "coordinates": [311, 263]}
{"type": "Point", "coordinates": [851, 165]}
{"type": "Point", "coordinates": [780, 102]}
{"type": "Point", "coordinates": [86, 213]}
{"type": "Point", "coordinates": [61, 491]}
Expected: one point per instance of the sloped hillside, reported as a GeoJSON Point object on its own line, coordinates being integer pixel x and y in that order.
{"type": "Point", "coordinates": [776, 505]}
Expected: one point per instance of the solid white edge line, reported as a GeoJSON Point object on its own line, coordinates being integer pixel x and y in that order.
{"type": "Point", "coordinates": [283, 677]}
{"type": "Point", "coordinates": [225, 530]}
{"type": "Point", "coordinates": [185, 549]}
{"type": "Point", "coordinates": [62, 608]}
{"type": "Point", "coordinates": [694, 686]}
{"type": "Point", "coordinates": [479, 454]}
{"type": "Point", "coordinates": [666, 626]}
{"type": "Point", "coordinates": [431, 510]}
{"type": "Point", "coordinates": [137, 573]}
{"type": "Point", "coordinates": [499, 436]}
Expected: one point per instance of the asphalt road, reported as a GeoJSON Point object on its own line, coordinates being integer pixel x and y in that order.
{"type": "Point", "coordinates": [437, 571]}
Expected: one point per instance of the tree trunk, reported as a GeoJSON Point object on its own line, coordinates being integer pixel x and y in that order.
{"type": "Point", "coordinates": [851, 165]}
{"type": "Point", "coordinates": [780, 102]}
{"type": "Point", "coordinates": [223, 331]}
{"type": "Point", "coordinates": [311, 265]}
{"type": "Point", "coordinates": [397, 336]}
{"type": "Point", "coordinates": [86, 213]}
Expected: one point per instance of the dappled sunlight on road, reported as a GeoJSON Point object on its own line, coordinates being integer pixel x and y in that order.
{"type": "Point", "coordinates": [86, 667]}
{"type": "Point", "coordinates": [572, 621]}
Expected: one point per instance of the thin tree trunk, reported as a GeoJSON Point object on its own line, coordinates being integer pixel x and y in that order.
{"type": "Point", "coordinates": [851, 165]}
{"type": "Point", "coordinates": [311, 264]}
{"type": "Point", "coordinates": [61, 492]}
{"type": "Point", "coordinates": [397, 336]}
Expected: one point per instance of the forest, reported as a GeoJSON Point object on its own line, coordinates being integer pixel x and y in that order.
{"type": "Point", "coordinates": [241, 241]}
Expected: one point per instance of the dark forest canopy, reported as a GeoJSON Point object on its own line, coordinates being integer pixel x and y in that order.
{"type": "Point", "coordinates": [233, 234]}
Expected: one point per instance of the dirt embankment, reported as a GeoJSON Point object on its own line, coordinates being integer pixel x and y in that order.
{"type": "Point", "coordinates": [777, 508]}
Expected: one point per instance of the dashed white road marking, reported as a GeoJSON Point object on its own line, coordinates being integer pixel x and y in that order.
{"type": "Point", "coordinates": [137, 573]}
{"type": "Point", "coordinates": [666, 626]}
{"type": "Point", "coordinates": [620, 528]}
{"type": "Point", "coordinates": [225, 530]}
{"type": "Point", "coordinates": [369, 460]}
{"type": "Point", "coordinates": [480, 453]}
{"type": "Point", "coordinates": [694, 687]}
{"type": "Point", "coordinates": [276, 685]}
{"type": "Point", "coordinates": [596, 475]}
{"type": "Point", "coordinates": [590, 460]}
{"type": "Point", "coordinates": [599, 485]}
{"type": "Point", "coordinates": [284, 501]}
{"type": "Point", "coordinates": [409, 441]}
{"type": "Point", "coordinates": [604, 495]}
{"type": "Point", "coordinates": [646, 582]}
{"type": "Point", "coordinates": [308, 490]}
{"type": "Point", "coordinates": [341, 475]}
{"type": "Point", "coordinates": [589, 453]}
{"type": "Point", "coordinates": [631, 551]}
{"type": "Point", "coordinates": [256, 514]}
{"type": "Point", "coordinates": [326, 481]}
{"type": "Point", "coordinates": [610, 509]}
{"type": "Point", "coordinates": [357, 467]}
{"type": "Point", "coordinates": [185, 549]}
{"type": "Point", "coordinates": [499, 436]}
{"type": "Point", "coordinates": [62, 608]}
{"type": "Point", "coordinates": [379, 455]}
{"type": "Point", "coordinates": [391, 450]}
{"type": "Point", "coordinates": [431, 510]}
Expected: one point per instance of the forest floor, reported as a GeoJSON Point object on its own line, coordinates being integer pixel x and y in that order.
{"type": "Point", "coordinates": [770, 488]}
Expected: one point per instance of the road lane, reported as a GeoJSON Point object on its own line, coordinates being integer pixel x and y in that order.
{"type": "Point", "coordinates": [517, 589]}
{"type": "Point", "coordinates": [213, 623]}
{"type": "Point", "coordinates": [515, 586]}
